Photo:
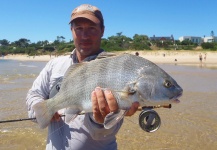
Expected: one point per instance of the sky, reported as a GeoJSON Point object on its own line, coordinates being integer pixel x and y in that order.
{"type": "Point", "coordinates": [39, 20]}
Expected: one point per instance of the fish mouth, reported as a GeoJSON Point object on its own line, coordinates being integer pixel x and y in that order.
{"type": "Point", "coordinates": [161, 102]}
{"type": "Point", "coordinates": [175, 99]}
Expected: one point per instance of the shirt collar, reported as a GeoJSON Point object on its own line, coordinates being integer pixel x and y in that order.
{"type": "Point", "coordinates": [89, 58]}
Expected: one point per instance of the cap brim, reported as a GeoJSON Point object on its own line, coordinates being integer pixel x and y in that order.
{"type": "Point", "coordinates": [87, 16]}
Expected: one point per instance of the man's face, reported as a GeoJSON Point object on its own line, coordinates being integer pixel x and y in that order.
{"type": "Point", "coordinates": [87, 37]}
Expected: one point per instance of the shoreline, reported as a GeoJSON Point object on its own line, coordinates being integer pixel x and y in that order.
{"type": "Point", "coordinates": [183, 57]}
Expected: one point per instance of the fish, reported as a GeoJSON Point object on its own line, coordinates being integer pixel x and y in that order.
{"type": "Point", "coordinates": [130, 78]}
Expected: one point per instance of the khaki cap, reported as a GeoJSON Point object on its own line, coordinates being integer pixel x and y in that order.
{"type": "Point", "coordinates": [89, 12]}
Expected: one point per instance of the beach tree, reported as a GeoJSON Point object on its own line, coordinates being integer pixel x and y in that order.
{"type": "Point", "coordinates": [119, 34]}
{"type": "Point", "coordinates": [63, 38]}
{"type": "Point", "coordinates": [22, 42]}
{"type": "Point", "coordinates": [46, 42]}
{"type": "Point", "coordinates": [4, 42]}
{"type": "Point", "coordinates": [140, 42]}
{"type": "Point", "coordinates": [60, 38]}
{"type": "Point", "coordinates": [212, 35]}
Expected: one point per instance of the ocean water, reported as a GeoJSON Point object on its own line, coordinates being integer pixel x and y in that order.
{"type": "Point", "coordinates": [189, 125]}
{"type": "Point", "coordinates": [16, 78]}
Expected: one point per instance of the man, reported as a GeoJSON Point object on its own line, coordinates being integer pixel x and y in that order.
{"type": "Point", "coordinates": [200, 57]}
{"type": "Point", "coordinates": [85, 131]}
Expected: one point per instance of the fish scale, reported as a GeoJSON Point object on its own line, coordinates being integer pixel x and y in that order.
{"type": "Point", "coordinates": [129, 77]}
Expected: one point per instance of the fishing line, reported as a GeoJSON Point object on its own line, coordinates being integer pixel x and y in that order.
{"type": "Point", "coordinates": [57, 130]}
{"type": "Point", "coordinates": [132, 120]}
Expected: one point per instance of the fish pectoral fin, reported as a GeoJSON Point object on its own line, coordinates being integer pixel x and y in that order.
{"type": "Point", "coordinates": [113, 118]}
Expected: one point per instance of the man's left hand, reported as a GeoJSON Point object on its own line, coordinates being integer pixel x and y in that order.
{"type": "Point", "coordinates": [103, 102]}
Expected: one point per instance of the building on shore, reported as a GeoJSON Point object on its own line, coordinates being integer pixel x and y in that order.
{"type": "Point", "coordinates": [210, 39]}
{"type": "Point", "coordinates": [162, 38]}
{"type": "Point", "coordinates": [198, 40]}
{"type": "Point", "coordinates": [194, 39]}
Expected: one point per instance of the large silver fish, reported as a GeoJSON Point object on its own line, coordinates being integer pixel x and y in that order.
{"type": "Point", "coordinates": [129, 77]}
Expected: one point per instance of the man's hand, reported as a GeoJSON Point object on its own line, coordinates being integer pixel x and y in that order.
{"type": "Point", "coordinates": [103, 102]}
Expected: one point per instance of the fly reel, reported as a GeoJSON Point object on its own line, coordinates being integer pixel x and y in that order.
{"type": "Point", "coordinates": [149, 120]}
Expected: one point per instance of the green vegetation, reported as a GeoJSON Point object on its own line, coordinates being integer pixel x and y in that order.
{"type": "Point", "coordinates": [211, 46]}
{"type": "Point", "coordinates": [117, 42]}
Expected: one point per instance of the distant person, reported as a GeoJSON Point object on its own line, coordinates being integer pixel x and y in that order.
{"type": "Point", "coordinates": [137, 53]}
{"type": "Point", "coordinates": [175, 61]}
{"type": "Point", "coordinates": [205, 57]}
{"type": "Point", "coordinates": [200, 57]}
{"type": "Point", "coordinates": [85, 132]}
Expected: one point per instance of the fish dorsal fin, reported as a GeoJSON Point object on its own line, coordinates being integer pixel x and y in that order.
{"type": "Point", "coordinates": [105, 55]}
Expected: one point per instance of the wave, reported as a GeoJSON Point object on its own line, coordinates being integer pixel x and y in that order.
{"type": "Point", "coordinates": [11, 78]}
{"type": "Point", "coordinates": [31, 66]}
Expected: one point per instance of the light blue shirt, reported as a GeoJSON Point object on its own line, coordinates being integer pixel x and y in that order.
{"type": "Point", "coordinates": [82, 133]}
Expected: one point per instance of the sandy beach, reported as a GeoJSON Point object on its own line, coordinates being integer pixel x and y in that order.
{"type": "Point", "coordinates": [157, 56]}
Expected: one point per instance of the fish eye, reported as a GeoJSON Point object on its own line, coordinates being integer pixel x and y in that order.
{"type": "Point", "coordinates": [167, 84]}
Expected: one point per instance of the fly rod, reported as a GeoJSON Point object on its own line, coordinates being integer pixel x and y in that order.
{"type": "Point", "coordinates": [24, 119]}
{"type": "Point", "coordinates": [16, 120]}
{"type": "Point", "coordinates": [139, 109]}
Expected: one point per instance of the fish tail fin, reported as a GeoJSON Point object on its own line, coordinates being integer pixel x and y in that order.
{"type": "Point", "coordinates": [42, 114]}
